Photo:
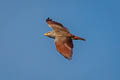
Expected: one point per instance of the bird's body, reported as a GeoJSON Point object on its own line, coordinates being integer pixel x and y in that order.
{"type": "Point", "coordinates": [63, 38]}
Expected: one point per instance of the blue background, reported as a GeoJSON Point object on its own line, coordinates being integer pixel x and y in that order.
{"type": "Point", "coordinates": [25, 54]}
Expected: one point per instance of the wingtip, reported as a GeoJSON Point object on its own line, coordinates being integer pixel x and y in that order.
{"type": "Point", "coordinates": [48, 19]}
{"type": "Point", "coordinates": [68, 58]}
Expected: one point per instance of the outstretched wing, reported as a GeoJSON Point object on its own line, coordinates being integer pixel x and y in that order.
{"type": "Point", "coordinates": [64, 46]}
{"type": "Point", "coordinates": [55, 25]}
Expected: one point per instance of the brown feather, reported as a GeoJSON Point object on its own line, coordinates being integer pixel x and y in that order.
{"type": "Point", "coordinates": [77, 38]}
{"type": "Point", "coordinates": [64, 46]}
{"type": "Point", "coordinates": [55, 25]}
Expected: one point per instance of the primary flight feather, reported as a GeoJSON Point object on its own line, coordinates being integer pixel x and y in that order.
{"type": "Point", "coordinates": [63, 38]}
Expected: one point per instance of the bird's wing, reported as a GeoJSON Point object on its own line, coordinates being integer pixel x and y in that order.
{"type": "Point", "coordinates": [55, 25]}
{"type": "Point", "coordinates": [64, 46]}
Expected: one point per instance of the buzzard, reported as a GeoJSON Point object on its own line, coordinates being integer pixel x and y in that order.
{"type": "Point", "coordinates": [62, 38]}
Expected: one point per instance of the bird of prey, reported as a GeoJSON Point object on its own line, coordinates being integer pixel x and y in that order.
{"type": "Point", "coordinates": [62, 38]}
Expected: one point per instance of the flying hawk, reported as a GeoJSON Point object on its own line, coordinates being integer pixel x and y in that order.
{"type": "Point", "coordinates": [62, 38]}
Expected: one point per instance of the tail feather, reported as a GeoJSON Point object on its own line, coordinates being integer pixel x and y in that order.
{"type": "Point", "coordinates": [77, 38]}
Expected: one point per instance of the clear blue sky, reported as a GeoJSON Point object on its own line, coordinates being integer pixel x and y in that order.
{"type": "Point", "coordinates": [25, 54]}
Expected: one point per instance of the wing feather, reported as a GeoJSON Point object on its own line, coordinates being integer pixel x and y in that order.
{"type": "Point", "coordinates": [64, 46]}
{"type": "Point", "coordinates": [55, 25]}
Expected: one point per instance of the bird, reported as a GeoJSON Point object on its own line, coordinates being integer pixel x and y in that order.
{"type": "Point", "coordinates": [63, 39]}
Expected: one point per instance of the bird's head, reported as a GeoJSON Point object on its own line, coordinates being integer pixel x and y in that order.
{"type": "Point", "coordinates": [49, 34]}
